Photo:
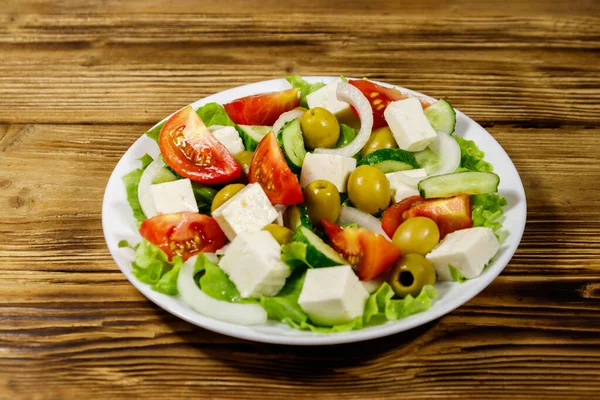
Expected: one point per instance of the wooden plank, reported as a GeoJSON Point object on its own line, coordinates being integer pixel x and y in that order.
{"type": "Point", "coordinates": [132, 68]}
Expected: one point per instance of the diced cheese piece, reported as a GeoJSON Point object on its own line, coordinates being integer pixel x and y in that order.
{"type": "Point", "coordinates": [409, 125]}
{"type": "Point", "coordinates": [403, 184]}
{"type": "Point", "coordinates": [327, 99]}
{"type": "Point", "coordinates": [467, 250]}
{"type": "Point", "coordinates": [173, 197]}
{"type": "Point", "coordinates": [248, 211]}
{"type": "Point", "coordinates": [333, 168]}
{"type": "Point", "coordinates": [230, 138]}
{"type": "Point", "coordinates": [253, 263]}
{"type": "Point", "coordinates": [332, 295]}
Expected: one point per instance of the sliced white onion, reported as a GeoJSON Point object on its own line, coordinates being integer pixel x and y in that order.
{"type": "Point", "coordinates": [351, 215]}
{"type": "Point", "coordinates": [235, 313]}
{"type": "Point", "coordinates": [372, 285]}
{"type": "Point", "coordinates": [214, 128]}
{"type": "Point", "coordinates": [448, 151]}
{"type": "Point", "coordinates": [351, 95]}
{"type": "Point", "coordinates": [144, 195]}
{"type": "Point", "coordinates": [280, 211]}
{"type": "Point", "coordinates": [286, 117]}
{"type": "Point", "coordinates": [212, 257]}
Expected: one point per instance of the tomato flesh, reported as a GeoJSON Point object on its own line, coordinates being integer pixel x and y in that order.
{"type": "Point", "coordinates": [193, 152]}
{"type": "Point", "coordinates": [330, 228]}
{"type": "Point", "coordinates": [365, 250]}
{"type": "Point", "coordinates": [262, 109]}
{"type": "Point", "coordinates": [449, 214]}
{"type": "Point", "coordinates": [183, 234]}
{"type": "Point", "coordinates": [379, 97]}
{"type": "Point", "coordinates": [270, 170]}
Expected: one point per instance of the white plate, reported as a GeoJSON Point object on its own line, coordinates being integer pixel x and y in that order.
{"type": "Point", "coordinates": [118, 224]}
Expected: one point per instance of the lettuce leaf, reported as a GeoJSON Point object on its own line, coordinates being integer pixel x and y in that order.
{"type": "Point", "coordinates": [471, 158]}
{"type": "Point", "coordinates": [204, 196]}
{"type": "Point", "coordinates": [132, 181]}
{"type": "Point", "coordinates": [487, 209]}
{"type": "Point", "coordinates": [294, 255]}
{"type": "Point", "coordinates": [284, 307]}
{"type": "Point", "coordinates": [347, 135]}
{"type": "Point", "coordinates": [305, 87]}
{"type": "Point", "coordinates": [152, 266]}
{"type": "Point", "coordinates": [456, 275]}
{"type": "Point", "coordinates": [381, 307]}
{"type": "Point", "coordinates": [215, 282]}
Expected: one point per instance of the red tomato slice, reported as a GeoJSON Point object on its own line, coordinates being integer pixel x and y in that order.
{"type": "Point", "coordinates": [380, 96]}
{"type": "Point", "coordinates": [392, 217]}
{"type": "Point", "coordinates": [371, 253]}
{"type": "Point", "coordinates": [193, 152]}
{"type": "Point", "coordinates": [262, 109]}
{"type": "Point", "coordinates": [330, 228]}
{"type": "Point", "coordinates": [449, 214]}
{"type": "Point", "coordinates": [183, 234]}
{"type": "Point", "coordinates": [269, 169]}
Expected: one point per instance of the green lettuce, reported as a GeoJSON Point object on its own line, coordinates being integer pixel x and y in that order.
{"type": "Point", "coordinates": [284, 307]}
{"type": "Point", "coordinates": [204, 196]}
{"type": "Point", "coordinates": [211, 114]}
{"type": "Point", "coordinates": [152, 266]}
{"type": "Point", "coordinates": [471, 158]}
{"type": "Point", "coordinates": [347, 135]}
{"type": "Point", "coordinates": [382, 307]}
{"type": "Point", "coordinates": [294, 255]}
{"type": "Point", "coordinates": [215, 282]}
{"type": "Point", "coordinates": [305, 87]}
{"type": "Point", "coordinates": [487, 209]}
{"type": "Point", "coordinates": [456, 275]}
{"type": "Point", "coordinates": [132, 181]}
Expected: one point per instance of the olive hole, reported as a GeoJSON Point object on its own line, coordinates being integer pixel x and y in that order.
{"type": "Point", "coordinates": [406, 278]}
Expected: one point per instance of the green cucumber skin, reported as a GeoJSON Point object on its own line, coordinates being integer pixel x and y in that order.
{"type": "Point", "coordinates": [286, 142]}
{"type": "Point", "coordinates": [314, 256]}
{"type": "Point", "coordinates": [250, 142]}
{"type": "Point", "coordinates": [442, 116]}
{"type": "Point", "coordinates": [389, 166]}
{"type": "Point", "coordinates": [449, 185]}
{"type": "Point", "coordinates": [382, 155]}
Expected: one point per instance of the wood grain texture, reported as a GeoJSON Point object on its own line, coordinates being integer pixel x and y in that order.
{"type": "Point", "coordinates": [81, 80]}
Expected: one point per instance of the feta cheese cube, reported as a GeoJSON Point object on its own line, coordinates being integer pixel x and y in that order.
{"type": "Point", "coordinates": [173, 197]}
{"type": "Point", "coordinates": [248, 211]}
{"type": "Point", "coordinates": [332, 295]}
{"type": "Point", "coordinates": [409, 125]}
{"type": "Point", "coordinates": [230, 138]}
{"type": "Point", "coordinates": [403, 184]}
{"type": "Point", "coordinates": [327, 99]}
{"type": "Point", "coordinates": [467, 250]}
{"type": "Point", "coordinates": [253, 263]}
{"type": "Point", "coordinates": [333, 168]}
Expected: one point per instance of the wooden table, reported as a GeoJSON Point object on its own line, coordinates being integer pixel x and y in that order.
{"type": "Point", "coordinates": [81, 80]}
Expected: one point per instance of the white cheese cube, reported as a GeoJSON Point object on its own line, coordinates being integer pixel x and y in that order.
{"type": "Point", "coordinates": [467, 250]}
{"type": "Point", "coordinates": [332, 295]}
{"type": "Point", "coordinates": [253, 263]}
{"type": "Point", "coordinates": [409, 125]}
{"type": "Point", "coordinates": [230, 138]}
{"type": "Point", "coordinates": [248, 211]}
{"type": "Point", "coordinates": [173, 197]}
{"type": "Point", "coordinates": [327, 99]}
{"type": "Point", "coordinates": [333, 168]}
{"type": "Point", "coordinates": [403, 184]}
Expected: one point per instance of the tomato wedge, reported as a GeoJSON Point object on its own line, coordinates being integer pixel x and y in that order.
{"type": "Point", "coordinates": [262, 109]}
{"type": "Point", "coordinates": [380, 96]}
{"type": "Point", "coordinates": [371, 254]}
{"type": "Point", "coordinates": [183, 234]}
{"type": "Point", "coordinates": [450, 214]}
{"type": "Point", "coordinates": [193, 152]}
{"type": "Point", "coordinates": [393, 216]}
{"type": "Point", "coordinates": [270, 170]}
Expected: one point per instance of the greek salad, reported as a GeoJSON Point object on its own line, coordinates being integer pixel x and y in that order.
{"type": "Point", "coordinates": [328, 207]}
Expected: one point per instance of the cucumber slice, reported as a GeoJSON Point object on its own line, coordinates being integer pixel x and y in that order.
{"type": "Point", "coordinates": [459, 183]}
{"type": "Point", "coordinates": [428, 160]}
{"type": "Point", "coordinates": [390, 160]}
{"type": "Point", "coordinates": [252, 134]}
{"type": "Point", "coordinates": [441, 116]}
{"type": "Point", "coordinates": [318, 253]}
{"type": "Point", "coordinates": [293, 144]}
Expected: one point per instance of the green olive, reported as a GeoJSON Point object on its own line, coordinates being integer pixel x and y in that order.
{"type": "Point", "coordinates": [244, 158]}
{"type": "Point", "coordinates": [369, 189]}
{"type": "Point", "coordinates": [410, 273]}
{"type": "Point", "coordinates": [292, 218]}
{"type": "Point", "coordinates": [320, 128]}
{"type": "Point", "coordinates": [282, 234]}
{"type": "Point", "coordinates": [381, 138]}
{"type": "Point", "coordinates": [417, 235]}
{"type": "Point", "coordinates": [322, 201]}
{"type": "Point", "coordinates": [225, 194]}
